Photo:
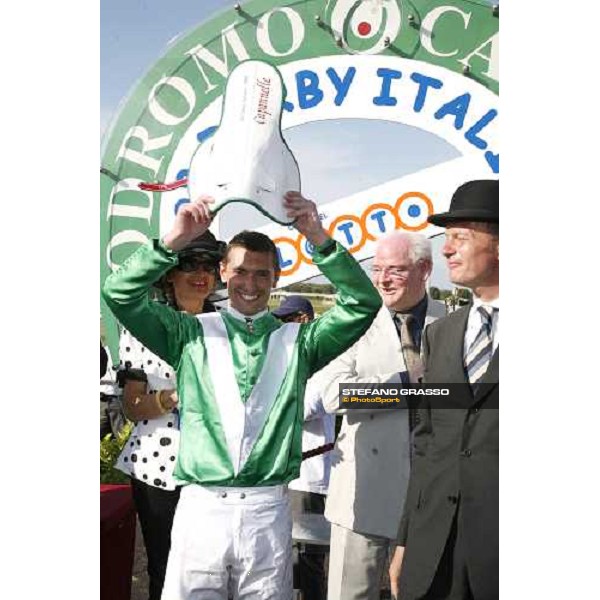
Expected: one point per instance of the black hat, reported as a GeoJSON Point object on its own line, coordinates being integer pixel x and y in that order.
{"type": "Point", "coordinates": [472, 201]}
{"type": "Point", "coordinates": [294, 304]}
{"type": "Point", "coordinates": [205, 245]}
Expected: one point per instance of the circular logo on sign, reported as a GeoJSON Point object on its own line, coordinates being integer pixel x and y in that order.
{"type": "Point", "coordinates": [412, 209]}
{"type": "Point", "coordinates": [365, 27]}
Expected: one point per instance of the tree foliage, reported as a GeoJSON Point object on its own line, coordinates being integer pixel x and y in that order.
{"type": "Point", "coordinates": [310, 288]}
{"type": "Point", "coordinates": [110, 448]}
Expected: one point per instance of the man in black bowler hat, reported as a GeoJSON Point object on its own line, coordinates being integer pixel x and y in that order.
{"type": "Point", "coordinates": [448, 536]}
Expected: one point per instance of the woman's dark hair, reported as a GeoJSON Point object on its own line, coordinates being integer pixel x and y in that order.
{"type": "Point", "coordinates": [165, 294]}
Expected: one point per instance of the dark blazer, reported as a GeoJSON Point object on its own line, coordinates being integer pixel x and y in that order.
{"type": "Point", "coordinates": [455, 462]}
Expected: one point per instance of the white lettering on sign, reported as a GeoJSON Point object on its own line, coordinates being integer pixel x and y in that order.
{"type": "Point", "coordinates": [139, 157]}
{"type": "Point", "coordinates": [124, 209]}
{"type": "Point", "coordinates": [161, 114]}
{"type": "Point", "coordinates": [229, 36]}
{"type": "Point", "coordinates": [428, 25]}
{"type": "Point", "coordinates": [492, 59]}
{"type": "Point", "coordinates": [130, 236]}
{"type": "Point", "coordinates": [263, 33]}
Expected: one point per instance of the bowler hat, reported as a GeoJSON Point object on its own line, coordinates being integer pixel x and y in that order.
{"type": "Point", "coordinates": [294, 304]}
{"type": "Point", "coordinates": [473, 201]}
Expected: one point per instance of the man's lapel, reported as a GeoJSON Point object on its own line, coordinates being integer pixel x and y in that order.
{"type": "Point", "coordinates": [492, 375]}
{"type": "Point", "coordinates": [456, 338]}
{"type": "Point", "coordinates": [451, 337]}
{"type": "Point", "coordinates": [491, 378]}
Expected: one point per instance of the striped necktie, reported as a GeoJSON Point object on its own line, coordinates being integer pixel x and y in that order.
{"type": "Point", "coordinates": [481, 350]}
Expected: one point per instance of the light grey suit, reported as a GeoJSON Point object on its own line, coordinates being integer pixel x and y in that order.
{"type": "Point", "coordinates": [370, 463]}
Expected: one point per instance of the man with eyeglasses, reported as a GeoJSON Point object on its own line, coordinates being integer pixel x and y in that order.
{"type": "Point", "coordinates": [371, 460]}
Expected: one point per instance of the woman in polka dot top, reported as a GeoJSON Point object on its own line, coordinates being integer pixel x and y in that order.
{"type": "Point", "coordinates": [150, 400]}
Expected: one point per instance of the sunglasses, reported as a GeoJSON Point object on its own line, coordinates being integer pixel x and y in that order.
{"type": "Point", "coordinates": [189, 264]}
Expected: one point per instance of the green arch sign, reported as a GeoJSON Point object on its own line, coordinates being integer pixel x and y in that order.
{"type": "Point", "coordinates": [426, 63]}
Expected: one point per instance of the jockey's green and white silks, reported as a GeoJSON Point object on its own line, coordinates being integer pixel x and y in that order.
{"type": "Point", "coordinates": [270, 447]}
{"type": "Point", "coordinates": [247, 159]}
{"type": "Point", "coordinates": [243, 421]}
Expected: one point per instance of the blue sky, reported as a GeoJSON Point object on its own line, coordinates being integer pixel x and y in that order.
{"type": "Point", "coordinates": [135, 33]}
{"type": "Point", "coordinates": [360, 153]}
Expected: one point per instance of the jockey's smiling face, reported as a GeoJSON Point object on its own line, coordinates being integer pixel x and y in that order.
{"type": "Point", "coordinates": [250, 277]}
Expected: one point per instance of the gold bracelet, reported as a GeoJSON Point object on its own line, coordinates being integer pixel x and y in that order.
{"type": "Point", "coordinates": [159, 402]}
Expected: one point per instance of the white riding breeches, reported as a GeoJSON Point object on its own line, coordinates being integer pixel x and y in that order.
{"type": "Point", "coordinates": [230, 541]}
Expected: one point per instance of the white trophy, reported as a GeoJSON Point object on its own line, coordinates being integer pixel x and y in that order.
{"type": "Point", "coordinates": [247, 159]}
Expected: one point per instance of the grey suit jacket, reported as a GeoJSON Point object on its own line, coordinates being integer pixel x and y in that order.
{"type": "Point", "coordinates": [371, 459]}
{"type": "Point", "coordinates": [455, 467]}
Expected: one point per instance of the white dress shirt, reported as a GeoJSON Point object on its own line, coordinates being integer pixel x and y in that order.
{"type": "Point", "coordinates": [475, 322]}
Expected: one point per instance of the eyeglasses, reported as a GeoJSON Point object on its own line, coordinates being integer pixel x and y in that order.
{"type": "Point", "coordinates": [393, 272]}
{"type": "Point", "coordinates": [189, 264]}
